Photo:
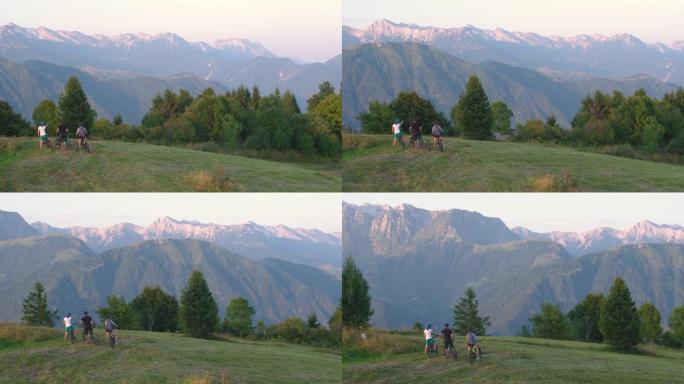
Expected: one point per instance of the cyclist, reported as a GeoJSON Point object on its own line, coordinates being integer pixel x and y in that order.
{"type": "Point", "coordinates": [109, 326]}
{"type": "Point", "coordinates": [81, 133]}
{"type": "Point", "coordinates": [68, 327]}
{"type": "Point", "coordinates": [471, 341]}
{"type": "Point", "coordinates": [429, 339]}
{"type": "Point", "coordinates": [87, 324]}
{"type": "Point", "coordinates": [437, 133]}
{"type": "Point", "coordinates": [416, 131]}
{"type": "Point", "coordinates": [42, 132]}
{"type": "Point", "coordinates": [448, 341]}
{"type": "Point", "coordinates": [62, 133]}
{"type": "Point", "coordinates": [396, 131]}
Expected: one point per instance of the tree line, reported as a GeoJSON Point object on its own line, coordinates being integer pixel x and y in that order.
{"type": "Point", "coordinates": [196, 315]}
{"type": "Point", "coordinates": [613, 319]}
{"type": "Point", "coordinates": [647, 124]}
{"type": "Point", "coordinates": [241, 118]}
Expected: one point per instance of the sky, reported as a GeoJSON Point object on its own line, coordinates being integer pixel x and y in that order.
{"type": "Point", "coordinates": [652, 21]}
{"type": "Point", "coordinates": [298, 210]}
{"type": "Point", "coordinates": [545, 212]}
{"type": "Point", "coordinates": [307, 30]}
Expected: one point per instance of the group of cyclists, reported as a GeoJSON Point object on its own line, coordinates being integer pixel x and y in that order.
{"type": "Point", "coordinates": [447, 334]}
{"type": "Point", "coordinates": [62, 135]}
{"type": "Point", "coordinates": [87, 324]}
{"type": "Point", "coordinates": [415, 130]}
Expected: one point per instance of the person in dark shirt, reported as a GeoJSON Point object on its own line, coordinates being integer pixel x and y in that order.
{"type": "Point", "coordinates": [62, 132]}
{"type": "Point", "coordinates": [448, 340]}
{"type": "Point", "coordinates": [87, 324]}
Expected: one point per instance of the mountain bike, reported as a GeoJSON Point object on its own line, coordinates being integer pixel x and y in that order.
{"type": "Point", "coordinates": [111, 339]}
{"type": "Point", "coordinates": [84, 145]}
{"type": "Point", "coordinates": [432, 350]}
{"type": "Point", "coordinates": [72, 336]}
{"type": "Point", "coordinates": [90, 337]}
{"type": "Point", "coordinates": [474, 354]}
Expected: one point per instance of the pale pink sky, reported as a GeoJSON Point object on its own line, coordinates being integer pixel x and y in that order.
{"type": "Point", "coordinates": [308, 30]}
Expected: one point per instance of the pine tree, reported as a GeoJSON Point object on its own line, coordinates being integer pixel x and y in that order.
{"type": "Point", "coordinates": [649, 317]}
{"type": "Point", "coordinates": [156, 310]}
{"type": "Point", "coordinates": [238, 319]}
{"type": "Point", "coordinates": [35, 308]}
{"type": "Point", "coordinates": [676, 323]}
{"type": "Point", "coordinates": [312, 321]}
{"type": "Point", "coordinates": [501, 118]}
{"type": "Point", "coordinates": [74, 106]}
{"type": "Point", "coordinates": [12, 123]}
{"type": "Point", "coordinates": [121, 312]}
{"type": "Point", "coordinates": [47, 112]}
{"type": "Point", "coordinates": [619, 318]}
{"type": "Point", "coordinates": [466, 315]}
{"type": "Point", "coordinates": [198, 312]}
{"type": "Point", "coordinates": [472, 113]}
{"type": "Point", "coordinates": [550, 323]}
{"type": "Point", "coordinates": [585, 318]}
{"type": "Point", "coordinates": [355, 301]}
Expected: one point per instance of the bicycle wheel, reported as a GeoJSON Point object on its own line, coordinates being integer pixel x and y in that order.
{"type": "Point", "coordinates": [471, 356]}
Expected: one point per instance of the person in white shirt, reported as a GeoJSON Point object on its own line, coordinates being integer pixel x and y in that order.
{"type": "Point", "coordinates": [429, 339]}
{"type": "Point", "coordinates": [396, 132]}
{"type": "Point", "coordinates": [81, 133]}
{"type": "Point", "coordinates": [42, 132]}
{"type": "Point", "coordinates": [68, 327]}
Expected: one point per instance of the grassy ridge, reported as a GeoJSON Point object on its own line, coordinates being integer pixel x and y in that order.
{"type": "Point", "coordinates": [41, 355]}
{"type": "Point", "coordinates": [119, 166]}
{"type": "Point", "coordinates": [515, 360]}
{"type": "Point", "coordinates": [370, 163]}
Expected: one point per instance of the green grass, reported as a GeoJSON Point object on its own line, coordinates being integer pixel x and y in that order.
{"type": "Point", "coordinates": [145, 357]}
{"type": "Point", "coordinates": [119, 166]}
{"type": "Point", "coordinates": [370, 163]}
{"type": "Point", "coordinates": [514, 360]}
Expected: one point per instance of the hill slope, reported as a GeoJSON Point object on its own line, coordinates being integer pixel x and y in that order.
{"type": "Point", "coordinates": [146, 357]}
{"type": "Point", "coordinates": [380, 71]}
{"type": "Point", "coordinates": [25, 85]}
{"type": "Point", "coordinates": [370, 163]}
{"type": "Point", "coordinates": [75, 277]}
{"type": "Point", "coordinates": [134, 167]}
{"type": "Point", "coordinates": [514, 360]}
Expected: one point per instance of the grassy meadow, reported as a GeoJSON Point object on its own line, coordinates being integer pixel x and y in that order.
{"type": "Point", "coordinates": [371, 163]}
{"type": "Point", "coordinates": [115, 166]}
{"type": "Point", "coordinates": [40, 355]}
{"type": "Point", "coordinates": [399, 358]}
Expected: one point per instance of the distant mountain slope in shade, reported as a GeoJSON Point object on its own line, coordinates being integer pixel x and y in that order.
{"type": "Point", "coordinates": [379, 71]}
{"type": "Point", "coordinates": [77, 279]}
{"type": "Point", "coordinates": [601, 239]}
{"type": "Point", "coordinates": [135, 58]}
{"type": "Point", "coordinates": [13, 226]}
{"type": "Point", "coordinates": [304, 246]}
{"type": "Point", "coordinates": [25, 85]}
{"type": "Point", "coordinates": [617, 56]}
{"type": "Point", "coordinates": [418, 264]}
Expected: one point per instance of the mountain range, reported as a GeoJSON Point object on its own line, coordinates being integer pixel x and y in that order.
{"type": "Point", "coordinates": [386, 58]}
{"type": "Point", "coordinates": [139, 65]}
{"type": "Point", "coordinates": [617, 56]}
{"type": "Point", "coordinates": [418, 263]}
{"type": "Point", "coordinates": [303, 246]}
{"type": "Point", "coordinates": [77, 277]}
